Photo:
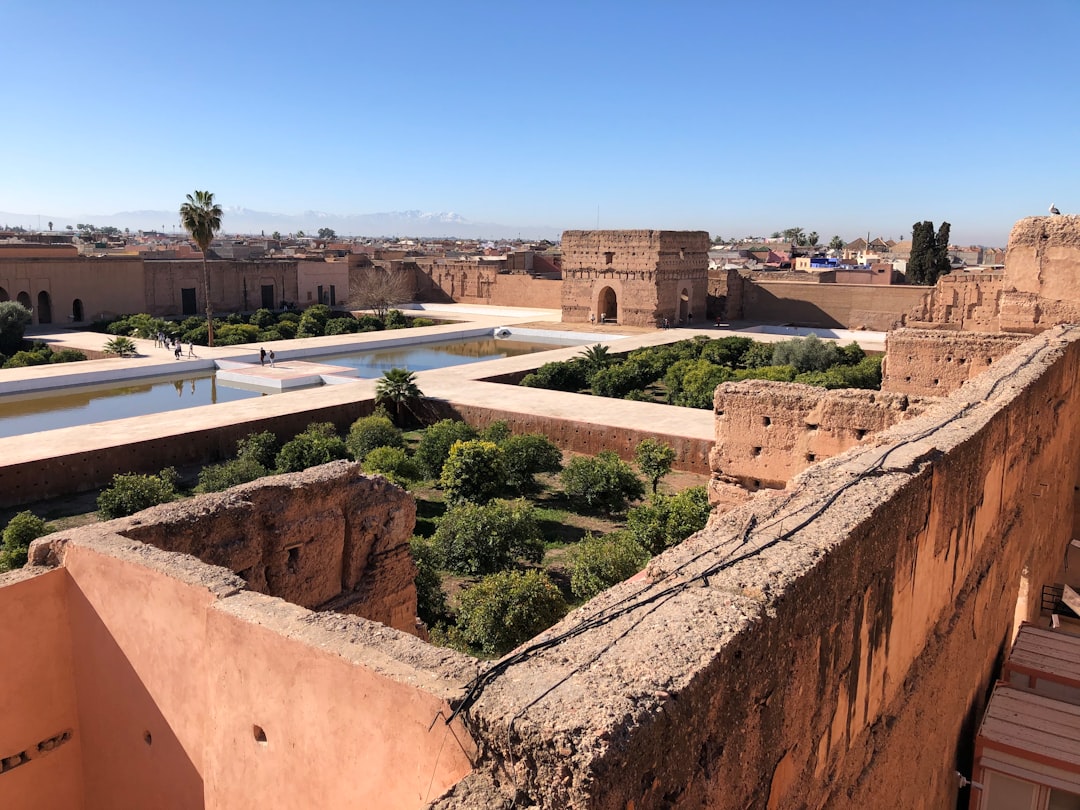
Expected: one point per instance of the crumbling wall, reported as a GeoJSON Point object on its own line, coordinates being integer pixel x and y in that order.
{"type": "Point", "coordinates": [326, 538]}
{"type": "Point", "coordinates": [933, 363]}
{"type": "Point", "coordinates": [192, 692]}
{"type": "Point", "coordinates": [827, 647]}
{"type": "Point", "coordinates": [1043, 257]}
{"type": "Point", "coordinates": [850, 306]}
{"type": "Point", "coordinates": [767, 432]}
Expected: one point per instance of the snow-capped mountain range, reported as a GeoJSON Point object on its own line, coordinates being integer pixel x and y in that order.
{"type": "Point", "coordinates": [239, 220]}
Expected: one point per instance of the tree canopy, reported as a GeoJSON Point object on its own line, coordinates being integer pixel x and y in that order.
{"type": "Point", "coordinates": [201, 217]}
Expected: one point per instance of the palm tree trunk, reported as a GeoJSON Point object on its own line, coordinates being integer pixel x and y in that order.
{"type": "Point", "coordinates": [206, 295]}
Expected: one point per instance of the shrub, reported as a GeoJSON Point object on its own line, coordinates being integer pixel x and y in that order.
{"type": "Point", "coordinates": [234, 334]}
{"type": "Point", "coordinates": [261, 448]}
{"type": "Point", "coordinates": [603, 481]}
{"type": "Point", "coordinates": [22, 359]}
{"type": "Point", "coordinates": [621, 378]}
{"type": "Point", "coordinates": [430, 597]}
{"type": "Point", "coordinates": [262, 318]}
{"type": "Point", "coordinates": [567, 375]}
{"type": "Point", "coordinates": [505, 609]}
{"type": "Point", "coordinates": [774, 373]}
{"type": "Point", "coordinates": [67, 356]}
{"type": "Point", "coordinates": [130, 493]}
{"type": "Point", "coordinates": [482, 538]}
{"type": "Point", "coordinates": [269, 336]}
{"type": "Point", "coordinates": [20, 531]}
{"type": "Point", "coordinates": [197, 334]}
{"type": "Point", "coordinates": [369, 432]}
{"type": "Point", "coordinates": [120, 346]}
{"type": "Point", "coordinates": [667, 521]}
{"type": "Point", "coordinates": [318, 444]}
{"type": "Point", "coordinates": [14, 318]}
{"type": "Point", "coordinates": [287, 329]}
{"type": "Point", "coordinates": [395, 319]}
{"type": "Point", "coordinates": [313, 321]}
{"type": "Point", "coordinates": [598, 562]}
{"type": "Point", "coordinates": [498, 432]}
{"type": "Point", "coordinates": [654, 458]}
{"type": "Point", "coordinates": [526, 455]}
{"type": "Point", "coordinates": [418, 322]}
{"type": "Point", "coordinates": [393, 463]}
{"type": "Point", "coordinates": [865, 374]}
{"type": "Point", "coordinates": [369, 323]}
{"type": "Point", "coordinates": [806, 354]}
{"type": "Point", "coordinates": [728, 351]}
{"type": "Point", "coordinates": [758, 355]}
{"type": "Point", "coordinates": [473, 472]}
{"type": "Point", "coordinates": [699, 384]}
{"type": "Point", "coordinates": [341, 326]}
{"type": "Point", "coordinates": [851, 354]}
{"type": "Point", "coordinates": [436, 442]}
{"type": "Point", "coordinates": [218, 477]}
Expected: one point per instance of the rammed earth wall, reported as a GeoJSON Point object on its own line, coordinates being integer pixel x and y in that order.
{"type": "Point", "coordinates": [829, 646]}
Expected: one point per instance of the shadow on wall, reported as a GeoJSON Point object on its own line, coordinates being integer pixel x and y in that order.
{"type": "Point", "coordinates": [762, 305]}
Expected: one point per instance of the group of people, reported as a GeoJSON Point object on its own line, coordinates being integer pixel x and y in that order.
{"type": "Point", "coordinates": [264, 355]}
{"type": "Point", "coordinates": [175, 344]}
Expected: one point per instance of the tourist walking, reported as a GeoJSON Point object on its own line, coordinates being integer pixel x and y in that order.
{"type": "Point", "coordinates": [271, 358]}
{"type": "Point", "coordinates": [262, 357]}
{"type": "Point", "coordinates": [191, 348]}
{"type": "Point", "coordinates": [179, 350]}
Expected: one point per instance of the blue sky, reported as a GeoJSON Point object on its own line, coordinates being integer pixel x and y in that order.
{"type": "Point", "coordinates": [734, 117]}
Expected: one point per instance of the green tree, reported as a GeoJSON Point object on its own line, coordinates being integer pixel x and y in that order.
{"type": "Point", "coordinates": [525, 456]}
{"type": "Point", "coordinates": [810, 353]}
{"type": "Point", "coordinates": [20, 531]}
{"type": "Point", "coordinates": [276, 235]}
{"type": "Point", "coordinates": [318, 444]}
{"type": "Point", "coordinates": [394, 464]}
{"type": "Point", "coordinates": [14, 318]}
{"type": "Point", "coordinates": [505, 609]}
{"type": "Point", "coordinates": [397, 387]}
{"type": "Point", "coordinates": [836, 243]}
{"type": "Point", "coordinates": [654, 458]}
{"type": "Point", "coordinates": [473, 472]}
{"type": "Point", "coordinates": [326, 234]}
{"type": "Point", "coordinates": [942, 262]}
{"type": "Point", "coordinates": [120, 346]}
{"type": "Point", "coordinates": [668, 520]}
{"type": "Point", "coordinates": [920, 266]}
{"type": "Point", "coordinates": [369, 432]}
{"type": "Point", "coordinates": [131, 493]}
{"type": "Point", "coordinates": [598, 562]}
{"type": "Point", "coordinates": [597, 356]}
{"type": "Point", "coordinates": [435, 444]}
{"type": "Point", "coordinates": [812, 238]}
{"type": "Point", "coordinates": [201, 217]}
{"type": "Point", "coordinates": [430, 597]}
{"type": "Point", "coordinates": [603, 481]}
{"type": "Point", "coordinates": [481, 538]}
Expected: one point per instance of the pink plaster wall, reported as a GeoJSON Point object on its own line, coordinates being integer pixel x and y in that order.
{"type": "Point", "coordinates": [37, 701]}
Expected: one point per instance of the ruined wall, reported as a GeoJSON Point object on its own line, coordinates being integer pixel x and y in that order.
{"type": "Point", "coordinates": [516, 290]}
{"type": "Point", "coordinates": [194, 693]}
{"type": "Point", "coordinates": [40, 756]}
{"type": "Point", "coordinates": [851, 306]}
{"type": "Point", "coordinates": [647, 270]}
{"type": "Point", "coordinates": [106, 285]}
{"type": "Point", "coordinates": [234, 285]}
{"type": "Point", "coordinates": [936, 363]}
{"type": "Point", "coordinates": [968, 301]}
{"type": "Point", "coordinates": [834, 642]}
{"type": "Point", "coordinates": [767, 432]}
{"type": "Point", "coordinates": [326, 538]}
{"type": "Point", "coordinates": [1043, 257]}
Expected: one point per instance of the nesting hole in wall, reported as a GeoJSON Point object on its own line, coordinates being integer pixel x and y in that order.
{"type": "Point", "coordinates": [810, 426]}
{"type": "Point", "coordinates": [811, 457]}
{"type": "Point", "coordinates": [148, 738]}
{"type": "Point", "coordinates": [860, 433]}
{"type": "Point", "coordinates": [756, 451]}
{"type": "Point", "coordinates": [259, 735]}
{"type": "Point", "coordinates": [766, 420]}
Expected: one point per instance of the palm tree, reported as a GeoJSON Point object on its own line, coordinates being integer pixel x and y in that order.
{"type": "Point", "coordinates": [398, 387]}
{"type": "Point", "coordinates": [597, 356]}
{"type": "Point", "coordinates": [201, 217]}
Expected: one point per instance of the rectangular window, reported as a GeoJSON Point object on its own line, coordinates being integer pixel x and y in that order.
{"type": "Point", "coordinates": [319, 294]}
{"type": "Point", "coordinates": [187, 301]}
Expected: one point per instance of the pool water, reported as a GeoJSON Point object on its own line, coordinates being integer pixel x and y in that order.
{"type": "Point", "coordinates": [86, 405]}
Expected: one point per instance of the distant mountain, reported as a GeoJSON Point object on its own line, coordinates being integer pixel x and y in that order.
{"type": "Point", "coordinates": [246, 221]}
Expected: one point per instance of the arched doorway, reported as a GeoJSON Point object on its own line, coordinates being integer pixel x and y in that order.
{"type": "Point", "coordinates": [76, 310]}
{"type": "Point", "coordinates": [4, 295]}
{"type": "Point", "coordinates": [44, 308]}
{"type": "Point", "coordinates": [684, 306]}
{"type": "Point", "coordinates": [608, 306]}
{"type": "Point", "coordinates": [24, 299]}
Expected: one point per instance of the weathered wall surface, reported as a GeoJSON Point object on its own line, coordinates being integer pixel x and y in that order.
{"type": "Point", "coordinates": [935, 363]}
{"type": "Point", "coordinates": [194, 693]}
{"type": "Point", "coordinates": [40, 754]}
{"type": "Point", "coordinates": [851, 306]}
{"type": "Point", "coordinates": [234, 285]}
{"type": "Point", "coordinates": [767, 432]}
{"type": "Point", "coordinates": [648, 271]}
{"type": "Point", "coordinates": [835, 641]}
{"type": "Point", "coordinates": [107, 285]}
{"type": "Point", "coordinates": [1043, 257]}
{"type": "Point", "coordinates": [516, 290]}
{"type": "Point", "coordinates": [326, 538]}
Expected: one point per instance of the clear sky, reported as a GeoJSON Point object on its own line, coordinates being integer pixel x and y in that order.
{"type": "Point", "coordinates": [738, 117]}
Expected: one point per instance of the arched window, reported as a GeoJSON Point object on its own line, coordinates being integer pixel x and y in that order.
{"type": "Point", "coordinates": [76, 310]}
{"type": "Point", "coordinates": [44, 308]}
